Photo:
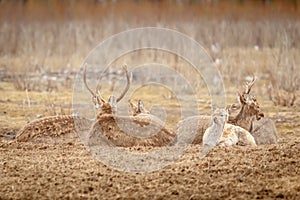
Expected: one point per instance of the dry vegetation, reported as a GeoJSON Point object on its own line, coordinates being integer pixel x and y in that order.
{"type": "Point", "coordinates": [43, 44]}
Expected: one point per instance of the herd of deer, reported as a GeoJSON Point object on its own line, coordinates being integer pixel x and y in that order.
{"type": "Point", "coordinates": [241, 124]}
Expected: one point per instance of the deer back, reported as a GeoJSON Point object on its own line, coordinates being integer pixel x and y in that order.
{"type": "Point", "coordinates": [53, 129]}
{"type": "Point", "coordinates": [264, 131]}
{"type": "Point", "coordinates": [128, 131]}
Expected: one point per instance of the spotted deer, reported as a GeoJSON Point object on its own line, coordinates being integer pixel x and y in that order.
{"type": "Point", "coordinates": [64, 128]}
{"type": "Point", "coordinates": [140, 129]}
{"type": "Point", "coordinates": [247, 115]}
{"type": "Point", "coordinates": [53, 129]}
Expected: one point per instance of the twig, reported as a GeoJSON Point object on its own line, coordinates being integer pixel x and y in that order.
{"type": "Point", "coordinates": [28, 99]}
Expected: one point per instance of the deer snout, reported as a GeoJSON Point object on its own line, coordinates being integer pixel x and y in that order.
{"type": "Point", "coordinates": [259, 116]}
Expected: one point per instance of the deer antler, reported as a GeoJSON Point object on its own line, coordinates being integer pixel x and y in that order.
{"type": "Point", "coordinates": [249, 85]}
{"type": "Point", "coordinates": [85, 83]}
{"type": "Point", "coordinates": [128, 84]}
{"type": "Point", "coordinates": [133, 107]}
{"type": "Point", "coordinates": [97, 98]}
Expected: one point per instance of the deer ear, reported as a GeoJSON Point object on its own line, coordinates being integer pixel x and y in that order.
{"type": "Point", "coordinates": [241, 98]}
{"type": "Point", "coordinates": [215, 120]}
{"type": "Point", "coordinates": [228, 108]}
{"type": "Point", "coordinates": [132, 106]}
{"type": "Point", "coordinates": [140, 104]}
{"type": "Point", "coordinates": [112, 101]}
{"type": "Point", "coordinates": [213, 108]}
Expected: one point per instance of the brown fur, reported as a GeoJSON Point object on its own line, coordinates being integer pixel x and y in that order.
{"type": "Point", "coordinates": [63, 128]}
{"type": "Point", "coordinates": [144, 129]}
{"type": "Point", "coordinates": [251, 118]}
{"type": "Point", "coordinates": [53, 129]}
{"type": "Point", "coordinates": [192, 126]}
{"type": "Point", "coordinates": [264, 131]}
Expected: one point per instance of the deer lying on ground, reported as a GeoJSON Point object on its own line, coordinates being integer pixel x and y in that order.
{"type": "Point", "coordinates": [223, 134]}
{"type": "Point", "coordinates": [63, 128]}
{"type": "Point", "coordinates": [252, 119]}
{"type": "Point", "coordinates": [53, 129]}
{"type": "Point", "coordinates": [263, 130]}
{"type": "Point", "coordinates": [249, 116]}
{"type": "Point", "coordinates": [141, 129]}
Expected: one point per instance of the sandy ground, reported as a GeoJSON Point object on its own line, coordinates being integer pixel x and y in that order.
{"type": "Point", "coordinates": [41, 171]}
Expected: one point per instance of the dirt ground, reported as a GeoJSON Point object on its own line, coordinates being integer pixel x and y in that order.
{"type": "Point", "coordinates": [40, 171]}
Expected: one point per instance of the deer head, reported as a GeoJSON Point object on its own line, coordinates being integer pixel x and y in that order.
{"type": "Point", "coordinates": [103, 106]}
{"type": "Point", "coordinates": [249, 109]}
{"type": "Point", "coordinates": [219, 115]}
{"type": "Point", "coordinates": [249, 101]}
{"type": "Point", "coordinates": [137, 109]}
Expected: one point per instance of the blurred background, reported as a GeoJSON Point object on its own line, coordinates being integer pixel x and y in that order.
{"type": "Point", "coordinates": [242, 36]}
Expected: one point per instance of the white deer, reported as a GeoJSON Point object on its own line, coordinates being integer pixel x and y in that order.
{"type": "Point", "coordinates": [223, 134]}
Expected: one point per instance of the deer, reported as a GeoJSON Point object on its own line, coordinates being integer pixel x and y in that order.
{"type": "Point", "coordinates": [249, 116]}
{"type": "Point", "coordinates": [140, 129]}
{"type": "Point", "coordinates": [263, 130]}
{"type": "Point", "coordinates": [63, 128]}
{"type": "Point", "coordinates": [137, 109]}
{"type": "Point", "coordinates": [223, 134]}
{"type": "Point", "coordinates": [248, 111]}
{"type": "Point", "coordinates": [53, 130]}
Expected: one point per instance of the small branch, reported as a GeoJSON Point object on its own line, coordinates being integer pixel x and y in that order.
{"type": "Point", "coordinates": [28, 98]}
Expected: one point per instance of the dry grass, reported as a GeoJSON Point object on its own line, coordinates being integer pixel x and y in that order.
{"type": "Point", "coordinates": [15, 105]}
{"type": "Point", "coordinates": [55, 37]}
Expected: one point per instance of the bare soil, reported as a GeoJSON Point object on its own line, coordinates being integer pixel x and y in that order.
{"type": "Point", "coordinates": [43, 171]}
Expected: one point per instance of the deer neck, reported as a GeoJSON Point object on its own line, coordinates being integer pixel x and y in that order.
{"type": "Point", "coordinates": [105, 111]}
{"type": "Point", "coordinates": [244, 118]}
